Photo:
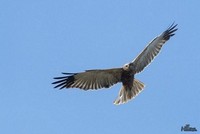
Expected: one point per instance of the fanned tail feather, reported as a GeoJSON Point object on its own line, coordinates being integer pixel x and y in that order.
{"type": "Point", "coordinates": [126, 94]}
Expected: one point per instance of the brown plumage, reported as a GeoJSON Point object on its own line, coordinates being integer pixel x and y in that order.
{"type": "Point", "coordinates": [105, 78]}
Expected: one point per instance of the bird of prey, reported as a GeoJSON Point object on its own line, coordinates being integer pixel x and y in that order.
{"type": "Point", "coordinates": [105, 78]}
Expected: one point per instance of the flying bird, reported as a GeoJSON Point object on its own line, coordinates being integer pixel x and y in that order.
{"type": "Point", "coordinates": [105, 78]}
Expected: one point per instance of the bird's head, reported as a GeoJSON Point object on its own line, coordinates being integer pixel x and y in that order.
{"type": "Point", "coordinates": [126, 67]}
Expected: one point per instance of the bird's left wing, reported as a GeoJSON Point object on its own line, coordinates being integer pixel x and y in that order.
{"type": "Point", "coordinates": [90, 79]}
{"type": "Point", "coordinates": [151, 50]}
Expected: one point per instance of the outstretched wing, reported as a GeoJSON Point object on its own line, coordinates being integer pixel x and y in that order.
{"type": "Point", "coordinates": [90, 79]}
{"type": "Point", "coordinates": [152, 50]}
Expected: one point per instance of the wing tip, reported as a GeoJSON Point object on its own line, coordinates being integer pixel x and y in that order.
{"type": "Point", "coordinates": [64, 81]}
{"type": "Point", "coordinates": [170, 31]}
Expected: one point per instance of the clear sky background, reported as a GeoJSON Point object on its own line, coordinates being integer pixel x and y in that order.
{"type": "Point", "coordinates": [39, 39]}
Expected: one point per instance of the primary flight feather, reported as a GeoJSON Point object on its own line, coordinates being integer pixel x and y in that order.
{"type": "Point", "coordinates": [105, 78]}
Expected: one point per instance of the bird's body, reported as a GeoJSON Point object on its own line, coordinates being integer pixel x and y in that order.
{"type": "Point", "coordinates": [105, 78]}
{"type": "Point", "coordinates": [127, 78]}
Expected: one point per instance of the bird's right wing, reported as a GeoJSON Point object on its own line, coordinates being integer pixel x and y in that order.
{"type": "Point", "coordinates": [90, 79]}
{"type": "Point", "coordinates": [152, 50]}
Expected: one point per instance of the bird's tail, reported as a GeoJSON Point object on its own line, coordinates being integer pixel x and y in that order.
{"type": "Point", "coordinates": [126, 94]}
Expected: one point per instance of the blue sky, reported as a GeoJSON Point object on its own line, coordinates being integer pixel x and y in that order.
{"type": "Point", "coordinates": [42, 38]}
